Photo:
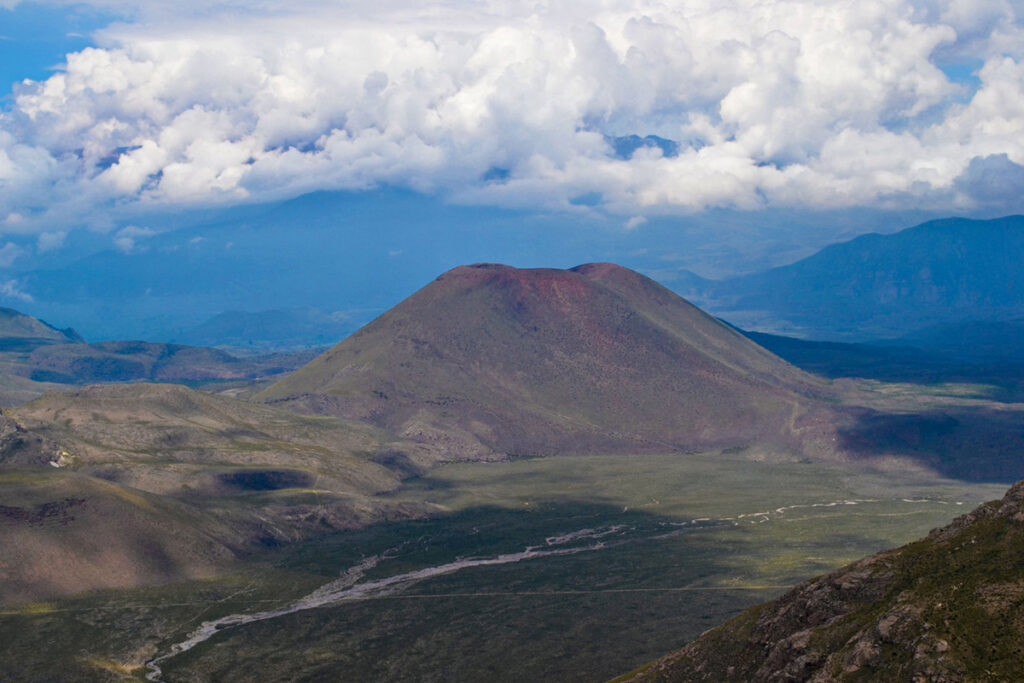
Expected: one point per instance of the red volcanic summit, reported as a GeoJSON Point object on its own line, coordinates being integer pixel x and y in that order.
{"type": "Point", "coordinates": [490, 360]}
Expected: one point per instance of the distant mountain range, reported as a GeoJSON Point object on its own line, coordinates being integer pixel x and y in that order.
{"type": "Point", "coordinates": [275, 329]}
{"type": "Point", "coordinates": [944, 272]}
{"type": "Point", "coordinates": [354, 252]}
{"type": "Point", "coordinates": [35, 357]}
{"type": "Point", "coordinates": [951, 286]}
{"type": "Point", "coordinates": [945, 608]}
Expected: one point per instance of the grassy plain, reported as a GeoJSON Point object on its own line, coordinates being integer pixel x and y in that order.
{"type": "Point", "coordinates": [690, 541]}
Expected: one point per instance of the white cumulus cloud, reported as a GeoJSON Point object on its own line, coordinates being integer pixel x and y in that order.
{"type": "Point", "coordinates": [809, 103]}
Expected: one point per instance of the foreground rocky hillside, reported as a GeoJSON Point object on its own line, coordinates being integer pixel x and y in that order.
{"type": "Point", "coordinates": [946, 608]}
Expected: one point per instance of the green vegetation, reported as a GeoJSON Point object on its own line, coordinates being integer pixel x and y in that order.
{"type": "Point", "coordinates": [659, 580]}
{"type": "Point", "coordinates": [947, 607]}
{"type": "Point", "coordinates": [729, 475]}
{"type": "Point", "coordinates": [108, 635]}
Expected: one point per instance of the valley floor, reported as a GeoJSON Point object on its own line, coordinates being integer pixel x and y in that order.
{"type": "Point", "coordinates": [575, 568]}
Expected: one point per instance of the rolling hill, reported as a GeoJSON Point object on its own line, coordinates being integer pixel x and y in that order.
{"type": "Point", "coordinates": [489, 361]}
{"type": "Point", "coordinates": [36, 357]}
{"type": "Point", "coordinates": [133, 361]}
{"type": "Point", "coordinates": [66, 533]}
{"type": "Point", "coordinates": [946, 608]}
{"type": "Point", "coordinates": [19, 331]}
{"type": "Point", "coordinates": [178, 484]}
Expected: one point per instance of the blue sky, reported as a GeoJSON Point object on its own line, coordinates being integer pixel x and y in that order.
{"type": "Point", "coordinates": [35, 39]}
{"type": "Point", "coordinates": [719, 136]}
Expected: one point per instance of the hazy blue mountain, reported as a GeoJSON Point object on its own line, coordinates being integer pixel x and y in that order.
{"type": "Point", "coordinates": [943, 271]}
{"type": "Point", "coordinates": [362, 253]}
{"type": "Point", "coordinates": [293, 327]}
{"type": "Point", "coordinates": [332, 251]}
{"type": "Point", "coordinates": [358, 255]}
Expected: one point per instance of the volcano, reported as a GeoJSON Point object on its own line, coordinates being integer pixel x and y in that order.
{"type": "Point", "coordinates": [494, 361]}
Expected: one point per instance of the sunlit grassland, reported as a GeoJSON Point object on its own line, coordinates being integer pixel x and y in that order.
{"type": "Point", "coordinates": [706, 536]}
{"type": "Point", "coordinates": [689, 486]}
{"type": "Point", "coordinates": [842, 512]}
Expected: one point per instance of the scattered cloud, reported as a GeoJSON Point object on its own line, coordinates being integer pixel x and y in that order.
{"type": "Point", "coordinates": [9, 253]}
{"type": "Point", "coordinates": [49, 241]}
{"type": "Point", "coordinates": [638, 106]}
{"type": "Point", "coordinates": [11, 289]}
{"type": "Point", "coordinates": [125, 239]}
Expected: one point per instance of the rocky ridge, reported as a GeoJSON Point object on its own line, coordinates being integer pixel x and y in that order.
{"type": "Point", "coordinates": [945, 608]}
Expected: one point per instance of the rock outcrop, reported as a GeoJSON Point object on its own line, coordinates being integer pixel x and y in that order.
{"type": "Point", "coordinates": [946, 608]}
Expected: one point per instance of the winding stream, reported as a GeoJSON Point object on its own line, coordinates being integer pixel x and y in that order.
{"type": "Point", "coordinates": [347, 587]}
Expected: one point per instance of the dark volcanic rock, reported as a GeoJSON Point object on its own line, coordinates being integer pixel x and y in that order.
{"type": "Point", "coordinates": [22, 447]}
